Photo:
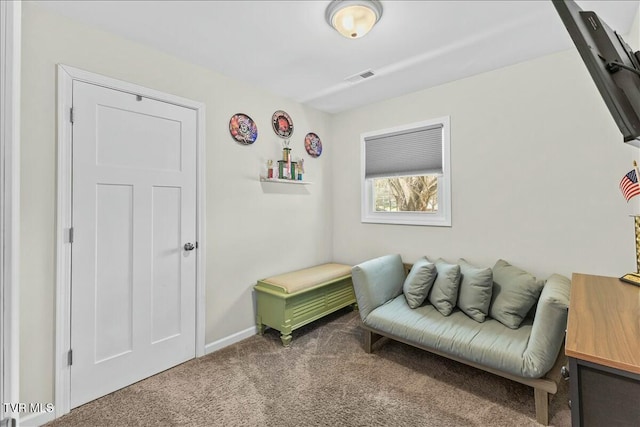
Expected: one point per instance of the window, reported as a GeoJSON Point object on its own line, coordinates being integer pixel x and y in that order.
{"type": "Point", "coordinates": [406, 174]}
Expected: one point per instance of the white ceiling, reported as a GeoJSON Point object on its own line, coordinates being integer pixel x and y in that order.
{"type": "Point", "coordinates": [287, 48]}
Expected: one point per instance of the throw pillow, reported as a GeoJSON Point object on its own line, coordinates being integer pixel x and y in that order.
{"type": "Point", "coordinates": [514, 293]}
{"type": "Point", "coordinates": [444, 292]}
{"type": "Point", "coordinates": [476, 286]}
{"type": "Point", "coordinates": [418, 282]}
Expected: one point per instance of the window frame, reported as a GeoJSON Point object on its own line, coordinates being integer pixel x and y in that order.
{"type": "Point", "coordinates": [442, 218]}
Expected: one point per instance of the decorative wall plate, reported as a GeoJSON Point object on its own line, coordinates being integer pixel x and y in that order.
{"type": "Point", "coordinates": [243, 129]}
{"type": "Point", "coordinates": [313, 145]}
{"type": "Point", "coordinates": [282, 124]}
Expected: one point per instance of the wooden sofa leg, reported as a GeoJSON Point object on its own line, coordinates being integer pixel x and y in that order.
{"type": "Point", "coordinates": [368, 341]}
{"type": "Point", "coordinates": [542, 406]}
{"type": "Point", "coordinates": [370, 338]}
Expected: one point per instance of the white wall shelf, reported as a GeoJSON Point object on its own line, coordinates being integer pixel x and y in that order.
{"type": "Point", "coordinates": [284, 181]}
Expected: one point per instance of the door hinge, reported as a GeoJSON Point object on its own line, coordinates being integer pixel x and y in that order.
{"type": "Point", "coordinates": [196, 245]}
{"type": "Point", "coordinates": [71, 115]}
{"type": "Point", "coordinates": [70, 357]}
{"type": "Point", "coordinates": [71, 235]}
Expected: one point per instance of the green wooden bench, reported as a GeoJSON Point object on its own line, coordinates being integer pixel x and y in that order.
{"type": "Point", "coordinates": [289, 301]}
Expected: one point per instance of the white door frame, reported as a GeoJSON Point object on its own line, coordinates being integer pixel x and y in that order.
{"type": "Point", "coordinates": [10, 25]}
{"type": "Point", "coordinates": [66, 76]}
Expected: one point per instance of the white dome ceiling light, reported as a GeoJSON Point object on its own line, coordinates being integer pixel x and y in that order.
{"type": "Point", "coordinates": [353, 18]}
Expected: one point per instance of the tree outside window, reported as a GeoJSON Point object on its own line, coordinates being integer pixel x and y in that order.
{"type": "Point", "coordinates": [406, 194]}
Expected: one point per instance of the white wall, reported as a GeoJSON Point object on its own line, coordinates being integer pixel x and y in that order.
{"type": "Point", "coordinates": [633, 38]}
{"type": "Point", "coordinates": [536, 160]}
{"type": "Point", "coordinates": [10, 31]}
{"type": "Point", "coordinates": [253, 230]}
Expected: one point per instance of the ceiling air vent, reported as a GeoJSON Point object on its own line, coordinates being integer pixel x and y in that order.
{"type": "Point", "coordinates": [360, 76]}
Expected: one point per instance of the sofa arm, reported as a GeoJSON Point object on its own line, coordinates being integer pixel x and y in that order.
{"type": "Point", "coordinates": [549, 326]}
{"type": "Point", "coordinates": [377, 281]}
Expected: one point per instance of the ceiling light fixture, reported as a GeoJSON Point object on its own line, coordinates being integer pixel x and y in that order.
{"type": "Point", "coordinates": [353, 18]}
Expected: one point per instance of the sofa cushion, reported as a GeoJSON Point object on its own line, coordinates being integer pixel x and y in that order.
{"type": "Point", "coordinates": [377, 281]}
{"type": "Point", "coordinates": [514, 293]}
{"type": "Point", "coordinates": [476, 286]}
{"type": "Point", "coordinates": [490, 343]}
{"type": "Point", "coordinates": [444, 292]}
{"type": "Point", "coordinates": [418, 283]}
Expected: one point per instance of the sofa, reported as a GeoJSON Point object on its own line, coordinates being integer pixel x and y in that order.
{"type": "Point", "coordinates": [501, 319]}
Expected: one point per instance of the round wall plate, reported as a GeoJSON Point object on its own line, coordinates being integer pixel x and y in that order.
{"type": "Point", "coordinates": [282, 124]}
{"type": "Point", "coordinates": [313, 144]}
{"type": "Point", "coordinates": [243, 129]}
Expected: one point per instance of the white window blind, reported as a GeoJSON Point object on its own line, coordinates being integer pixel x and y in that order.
{"type": "Point", "coordinates": [410, 152]}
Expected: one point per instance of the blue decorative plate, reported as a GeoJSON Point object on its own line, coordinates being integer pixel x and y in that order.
{"type": "Point", "coordinates": [243, 129]}
{"type": "Point", "coordinates": [313, 145]}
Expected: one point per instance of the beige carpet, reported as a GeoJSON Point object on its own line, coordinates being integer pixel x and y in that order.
{"type": "Point", "coordinates": [324, 379]}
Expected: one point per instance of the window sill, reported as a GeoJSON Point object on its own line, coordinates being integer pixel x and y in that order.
{"type": "Point", "coordinates": [407, 219]}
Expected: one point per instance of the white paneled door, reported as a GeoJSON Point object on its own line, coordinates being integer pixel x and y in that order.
{"type": "Point", "coordinates": [133, 280]}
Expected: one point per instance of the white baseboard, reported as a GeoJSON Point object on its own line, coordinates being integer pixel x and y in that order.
{"type": "Point", "coordinates": [36, 419]}
{"type": "Point", "coordinates": [231, 339]}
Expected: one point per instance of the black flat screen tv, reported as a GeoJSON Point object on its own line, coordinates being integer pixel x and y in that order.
{"type": "Point", "coordinates": [613, 65]}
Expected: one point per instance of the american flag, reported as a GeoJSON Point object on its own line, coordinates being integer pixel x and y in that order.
{"type": "Point", "coordinates": [629, 185]}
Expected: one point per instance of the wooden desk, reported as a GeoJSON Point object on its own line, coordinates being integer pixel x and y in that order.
{"type": "Point", "coordinates": [603, 345]}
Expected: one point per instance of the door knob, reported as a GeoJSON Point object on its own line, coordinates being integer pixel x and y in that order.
{"type": "Point", "coordinates": [189, 246]}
